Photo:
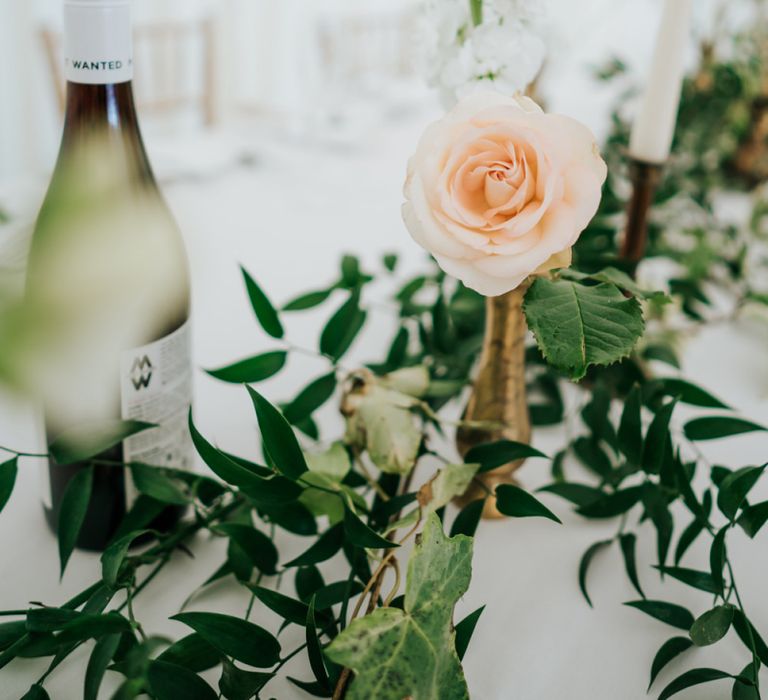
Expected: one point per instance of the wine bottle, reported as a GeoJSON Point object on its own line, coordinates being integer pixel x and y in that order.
{"type": "Point", "coordinates": [102, 167]}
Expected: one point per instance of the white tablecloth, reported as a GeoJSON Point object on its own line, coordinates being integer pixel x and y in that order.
{"type": "Point", "coordinates": [287, 219]}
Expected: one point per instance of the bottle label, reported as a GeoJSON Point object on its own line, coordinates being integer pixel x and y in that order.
{"type": "Point", "coordinates": [98, 46]}
{"type": "Point", "coordinates": [156, 387]}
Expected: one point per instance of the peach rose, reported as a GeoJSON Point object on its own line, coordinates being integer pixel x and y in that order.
{"type": "Point", "coordinates": [498, 190]}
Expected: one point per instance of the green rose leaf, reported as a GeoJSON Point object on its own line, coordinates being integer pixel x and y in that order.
{"type": "Point", "coordinates": [254, 369]}
{"type": "Point", "coordinates": [712, 626]}
{"type": "Point", "coordinates": [577, 325]}
{"type": "Point", "coordinates": [715, 427]}
{"type": "Point", "coordinates": [262, 307]}
{"type": "Point", "coordinates": [8, 473]}
{"type": "Point", "coordinates": [518, 503]}
{"type": "Point", "coordinates": [86, 442]}
{"type": "Point", "coordinates": [242, 640]}
{"type": "Point", "coordinates": [691, 678]}
{"type": "Point", "coordinates": [412, 652]}
{"type": "Point", "coordinates": [279, 439]}
{"type": "Point", "coordinates": [170, 682]}
{"type": "Point", "coordinates": [671, 614]}
{"type": "Point", "coordinates": [74, 506]}
{"type": "Point", "coordinates": [670, 650]}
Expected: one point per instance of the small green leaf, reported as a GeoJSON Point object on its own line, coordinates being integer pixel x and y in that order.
{"type": "Point", "coordinates": [279, 439]}
{"type": "Point", "coordinates": [192, 652]}
{"type": "Point", "coordinates": [289, 609]}
{"type": "Point", "coordinates": [171, 682]}
{"type": "Point", "coordinates": [86, 442]}
{"type": "Point", "coordinates": [670, 650]}
{"type": "Point", "coordinates": [577, 325]}
{"type": "Point", "coordinates": [657, 439]}
{"type": "Point", "coordinates": [310, 399]}
{"type": "Point", "coordinates": [735, 488]}
{"type": "Point", "coordinates": [314, 650]}
{"type": "Point", "coordinates": [262, 307]}
{"type": "Point", "coordinates": [159, 484]}
{"type": "Point", "coordinates": [690, 393]}
{"type": "Point", "coordinates": [496, 454]}
{"type": "Point", "coordinates": [688, 538]}
{"type": "Point", "coordinates": [327, 545]}
{"type": "Point", "coordinates": [753, 518]}
{"type": "Point", "coordinates": [578, 494]}
{"type": "Point", "coordinates": [671, 614]}
{"type": "Point", "coordinates": [517, 503]}
{"type": "Point", "coordinates": [101, 656]}
{"type": "Point", "coordinates": [712, 626]}
{"type": "Point", "coordinates": [717, 559]}
{"type": "Point", "coordinates": [308, 301]}
{"type": "Point", "coordinates": [242, 640]}
{"type": "Point", "coordinates": [464, 631]}
{"type": "Point", "coordinates": [36, 692]}
{"type": "Point", "coordinates": [390, 261]}
{"type": "Point", "coordinates": [114, 555]}
{"type": "Point", "coordinates": [236, 684]}
{"type": "Point", "coordinates": [584, 564]}
{"type": "Point", "coordinates": [359, 534]}
{"type": "Point", "coordinates": [74, 506]}
{"type": "Point", "coordinates": [259, 548]}
{"type": "Point", "coordinates": [749, 636]}
{"type": "Point", "coordinates": [691, 678]}
{"type": "Point", "coordinates": [630, 428]}
{"type": "Point", "coordinates": [744, 687]}
{"type": "Point", "coordinates": [8, 472]}
{"type": "Point", "coordinates": [86, 626]}
{"type": "Point", "coordinates": [468, 519]}
{"type": "Point", "coordinates": [341, 331]}
{"type": "Point", "coordinates": [696, 579]}
{"type": "Point", "coordinates": [254, 369]}
{"type": "Point", "coordinates": [715, 427]}
{"type": "Point", "coordinates": [627, 543]}
{"type": "Point", "coordinates": [611, 505]}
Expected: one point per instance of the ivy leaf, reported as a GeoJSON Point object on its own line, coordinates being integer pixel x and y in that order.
{"type": "Point", "coordinates": [451, 481]}
{"type": "Point", "coordinates": [577, 326]}
{"type": "Point", "coordinates": [518, 503]}
{"type": "Point", "coordinates": [671, 614]}
{"type": "Point", "coordinates": [464, 631]}
{"type": "Point", "coordinates": [611, 505]}
{"type": "Point", "coordinates": [169, 682]}
{"type": "Point", "coordinates": [242, 640]}
{"type": "Point", "coordinates": [359, 534]}
{"type": "Point", "coordinates": [669, 651]}
{"type": "Point", "coordinates": [279, 439]}
{"type": "Point", "coordinates": [341, 331]}
{"type": "Point", "coordinates": [74, 506]}
{"type": "Point", "coordinates": [627, 543]}
{"type": "Point", "coordinates": [493, 455]}
{"type": "Point", "coordinates": [254, 369]}
{"type": "Point", "coordinates": [8, 473]}
{"type": "Point", "coordinates": [412, 652]}
{"type": "Point", "coordinates": [310, 399]}
{"type": "Point", "coordinates": [85, 442]}
{"type": "Point", "coordinates": [262, 307]}
{"type": "Point", "coordinates": [735, 488]}
{"type": "Point", "coordinates": [715, 427]}
{"type": "Point", "coordinates": [584, 564]}
{"type": "Point", "coordinates": [468, 519]}
{"type": "Point", "coordinates": [712, 626]}
{"type": "Point", "coordinates": [691, 678]}
{"type": "Point", "coordinates": [753, 518]}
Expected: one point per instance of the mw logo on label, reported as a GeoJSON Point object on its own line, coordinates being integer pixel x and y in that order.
{"type": "Point", "coordinates": [141, 373]}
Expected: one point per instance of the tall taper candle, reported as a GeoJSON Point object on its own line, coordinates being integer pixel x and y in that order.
{"type": "Point", "coordinates": [654, 128]}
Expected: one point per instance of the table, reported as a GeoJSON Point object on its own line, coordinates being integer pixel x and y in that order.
{"type": "Point", "coordinates": [537, 639]}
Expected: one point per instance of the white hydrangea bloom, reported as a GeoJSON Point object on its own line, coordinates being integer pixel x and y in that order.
{"type": "Point", "coordinates": [505, 52]}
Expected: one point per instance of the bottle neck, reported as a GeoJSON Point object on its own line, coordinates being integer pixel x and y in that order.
{"type": "Point", "coordinates": [98, 44]}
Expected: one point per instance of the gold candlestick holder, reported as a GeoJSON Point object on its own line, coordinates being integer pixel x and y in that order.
{"type": "Point", "coordinates": [499, 394]}
{"type": "Point", "coordinates": [645, 179]}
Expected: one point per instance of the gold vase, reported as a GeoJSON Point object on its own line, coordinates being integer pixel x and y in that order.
{"type": "Point", "coordinates": [498, 396]}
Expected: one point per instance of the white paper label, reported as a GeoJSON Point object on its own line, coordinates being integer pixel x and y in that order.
{"type": "Point", "coordinates": [98, 46]}
{"type": "Point", "coordinates": [156, 387]}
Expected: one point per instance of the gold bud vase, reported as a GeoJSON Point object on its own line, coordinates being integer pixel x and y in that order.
{"type": "Point", "coordinates": [499, 394]}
